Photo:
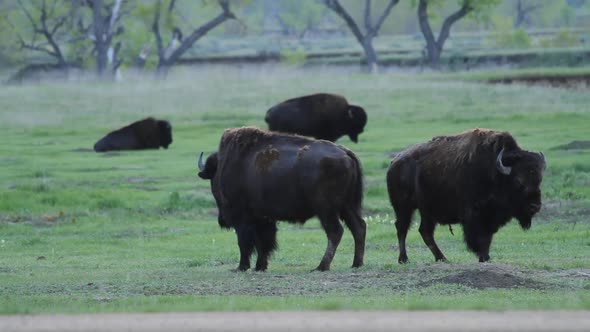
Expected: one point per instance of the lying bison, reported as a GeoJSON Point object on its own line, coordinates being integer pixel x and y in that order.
{"type": "Point", "coordinates": [148, 133]}
{"type": "Point", "coordinates": [323, 116]}
{"type": "Point", "coordinates": [479, 179]}
{"type": "Point", "coordinates": [259, 177]}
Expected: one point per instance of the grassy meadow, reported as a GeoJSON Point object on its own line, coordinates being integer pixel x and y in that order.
{"type": "Point", "coordinates": [137, 231]}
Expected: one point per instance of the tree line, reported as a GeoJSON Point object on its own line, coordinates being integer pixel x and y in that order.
{"type": "Point", "coordinates": [93, 33]}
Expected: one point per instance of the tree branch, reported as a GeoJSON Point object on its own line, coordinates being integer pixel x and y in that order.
{"type": "Point", "coordinates": [37, 48]}
{"type": "Point", "coordinates": [28, 14]}
{"type": "Point", "coordinates": [338, 9]}
{"type": "Point", "coordinates": [367, 18]}
{"type": "Point", "coordinates": [384, 15]}
{"type": "Point", "coordinates": [61, 21]}
{"type": "Point", "coordinates": [445, 30]}
{"type": "Point", "coordinates": [156, 30]}
{"type": "Point", "coordinates": [113, 21]}
{"type": "Point", "coordinates": [201, 31]}
{"type": "Point", "coordinates": [171, 6]}
{"type": "Point", "coordinates": [423, 22]}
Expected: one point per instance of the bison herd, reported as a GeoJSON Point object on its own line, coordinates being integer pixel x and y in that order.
{"type": "Point", "coordinates": [480, 179]}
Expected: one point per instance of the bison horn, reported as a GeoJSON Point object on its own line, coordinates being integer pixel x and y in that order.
{"type": "Point", "coordinates": [201, 166]}
{"type": "Point", "coordinates": [503, 169]}
{"type": "Point", "coordinates": [544, 162]}
{"type": "Point", "coordinates": [350, 113]}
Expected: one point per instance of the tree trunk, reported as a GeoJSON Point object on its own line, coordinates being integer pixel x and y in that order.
{"type": "Point", "coordinates": [100, 46]}
{"type": "Point", "coordinates": [101, 58]}
{"type": "Point", "coordinates": [434, 47]}
{"type": "Point", "coordinates": [433, 55]}
{"type": "Point", "coordinates": [370, 54]}
{"type": "Point", "coordinates": [432, 51]}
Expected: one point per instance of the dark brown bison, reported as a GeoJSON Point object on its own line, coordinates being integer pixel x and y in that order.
{"type": "Point", "coordinates": [148, 133]}
{"type": "Point", "coordinates": [259, 177]}
{"type": "Point", "coordinates": [479, 179]}
{"type": "Point", "coordinates": [323, 116]}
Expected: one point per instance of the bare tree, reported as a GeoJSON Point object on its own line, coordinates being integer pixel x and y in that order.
{"type": "Point", "coordinates": [48, 26]}
{"type": "Point", "coordinates": [523, 12]}
{"type": "Point", "coordinates": [106, 26]}
{"type": "Point", "coordinates": [371, 30]}
{"type": "Point", "coordinates": [179, 45]}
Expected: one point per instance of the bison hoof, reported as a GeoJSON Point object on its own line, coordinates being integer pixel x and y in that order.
{"type": "Point", "coordinates": [356, 265]}
{"type": "Point", "coordinates": [321, 269]}
{"type": "Point", "coordinates": [442, 259]}
{"type": "Point", "coordinates": [260, 269]}
{"type": "Point", "coordinates": [402, 260]}
{"type": "Point", "coordinates": [484, 259]}
{"type": "Point", "coordinates": [241, 269]}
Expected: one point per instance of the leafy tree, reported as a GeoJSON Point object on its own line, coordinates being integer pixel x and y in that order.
{"type": "Point", "coordinates": [371, 29]}
{"type": "Point", "coordinates": [298, 17]}
{"type": "Point", "coordinates": [434, 45]}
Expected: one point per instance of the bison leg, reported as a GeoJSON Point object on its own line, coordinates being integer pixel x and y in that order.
{"type": "Point", "coordinates": [265, 242]}
{"type": "Point", "coordinates": [334, 231]}
{"type": "Point", "coordinates": [402, 224]}
{"type": "Point", "coordinates": [484, 241]}
{"type": "Point", "coordinates": [427, 231]}
{"type": "Point", "coordinates": [358, 228]}
{"type": "Point", "coordinates": [246, 236]}
{"type": "Point", "coordinates": [478, 240]}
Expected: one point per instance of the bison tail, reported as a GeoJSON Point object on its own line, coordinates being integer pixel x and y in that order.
{"type": "Point", "coordinates": [355, 195]}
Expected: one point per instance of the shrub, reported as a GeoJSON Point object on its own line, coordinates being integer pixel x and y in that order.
{"type": "Point", "coordinates": [518, 38]}
{"type": "Point", "coordinates": [564, 38]}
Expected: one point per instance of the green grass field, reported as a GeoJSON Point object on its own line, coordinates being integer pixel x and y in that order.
{"type": "Point", "coordinates": [137, 231]}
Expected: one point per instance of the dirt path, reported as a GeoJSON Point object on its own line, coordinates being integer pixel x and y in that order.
{"type": "Point", "coordinates": [341, 321]}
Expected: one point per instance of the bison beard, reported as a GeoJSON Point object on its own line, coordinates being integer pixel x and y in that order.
{"type": "Point", "coordinates": [259, 177]}
{"type": "Point", "coordinates": [322, 115]}
{"type": "Point", "coordinates": [148, 133]}
{"type": "Point", "coordinates": [479, 179]}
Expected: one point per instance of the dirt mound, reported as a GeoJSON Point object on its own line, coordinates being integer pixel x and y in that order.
{"type": "Point", "coordinates": [485, 278]}
{"type": "Point", "coordinates": [574, 145]}
{"type": "Point", "coordinates": [571, 81]}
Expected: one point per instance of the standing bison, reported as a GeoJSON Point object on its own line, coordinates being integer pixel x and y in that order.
{"type": "Point", "coordinates": [148, 133]}
{"type": "Point", "coordinates": [323, 116]}
{"type": "Point", "coordinates": [259, 177]}
{"type": "Point", "coordinates": [479, 179]}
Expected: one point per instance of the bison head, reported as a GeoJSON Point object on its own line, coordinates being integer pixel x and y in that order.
{"type": "Point", "coordinates": [165, 131]}
{"type": "Point", "coordinates": [523, 171]}
{"type": "Point", "coordinates": [207, 171]}
{"type": "Point", "coordinates": [357, 119]}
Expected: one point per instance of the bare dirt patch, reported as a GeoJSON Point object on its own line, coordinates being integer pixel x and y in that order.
{"type": "Point", "coordinates": [574, 145]}
{"type": "Point", "coordinates": [40, 220]}
{"type": "Point", "coordinates": [567, 211]}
